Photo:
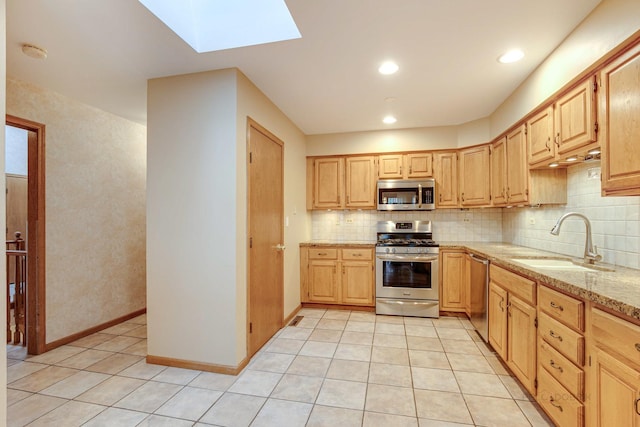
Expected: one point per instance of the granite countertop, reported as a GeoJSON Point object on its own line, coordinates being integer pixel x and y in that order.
{"type": "Point", "coordinates": [321, 243]}
{"type": "Point", "coordinates": [618, 289]}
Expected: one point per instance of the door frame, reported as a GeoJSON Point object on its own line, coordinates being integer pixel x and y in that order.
{"type": "Point", "coordinates": [252, 123]}
{"type": "Point", "coordinates": [35, 316]}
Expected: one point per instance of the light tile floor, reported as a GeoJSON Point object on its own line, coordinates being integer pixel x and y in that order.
{"type": "Point", "coordinates": [335, 368]}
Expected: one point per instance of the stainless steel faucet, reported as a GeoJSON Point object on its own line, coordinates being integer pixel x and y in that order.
{"type": "Point", "coordinates": [590, 252]}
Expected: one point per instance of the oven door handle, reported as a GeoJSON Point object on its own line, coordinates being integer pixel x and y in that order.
{"type": "Point", "coordinates": [407, 258]}
{"type": "Point", "coordinates": [398, 302]}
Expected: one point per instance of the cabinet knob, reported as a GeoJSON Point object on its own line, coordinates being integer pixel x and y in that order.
{"type": "Point", "coordinates": [638, 346]}
{"type": "Point", "coordinates": [636, 406]}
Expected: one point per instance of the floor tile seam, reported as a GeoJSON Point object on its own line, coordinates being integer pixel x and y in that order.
{"type": "Point", "coordinates": [145, 412]}
{"type": "Point", "coordinates": [48, 412]}
{"type": "Point", "coordinates": [464, 397]}
{"type": "Point", "coordinates": [50, 385]}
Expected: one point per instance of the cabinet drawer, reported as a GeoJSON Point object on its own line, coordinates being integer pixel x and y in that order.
{"type": "Point", "coordinates": [323, 253]}
{"type": "Point", "coordinates": [357, 254]}
{"type": "Point", "coordinates": [524, 288]}
{"type": "Point", "coordinates": [564, 308]}
{"type": "Point", "coordinates": [560, 368]}
{"type": "Point", "coordinates": [562, 407]}
{"type": "Point", "coordinates": [563, 339]}
{"type": "Point", "coordinates": [617, 335]}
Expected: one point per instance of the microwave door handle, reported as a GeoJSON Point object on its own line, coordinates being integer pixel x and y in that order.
{"type": "Point", "coordinates": [419, 196]}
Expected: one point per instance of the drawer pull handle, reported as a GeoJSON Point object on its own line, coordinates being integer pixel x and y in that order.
{"type": "Point", "coordinates": [638, 346]}
{"type": "Point", "coordinates": [357, 254]}
{"type": "Point", "coordinates": [636, 406]}
{"type": "Point", "coordinates": [502, 307]}
{"type": "Point", "coordinates": [556, 306]}
{"type": "Point", "coordinates": [322, 253]}
{"type": "Point", "coordinates": [557, 405]}
{"type": "Point", "coordinates": [554, 366]}
{"type": "Point", "coordinates": [554, 335]}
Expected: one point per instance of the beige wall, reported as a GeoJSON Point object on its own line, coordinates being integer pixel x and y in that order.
{"type": "Point", "coordinates": [196, 213]}
{"type": "Point", "coordinates": [3, 279]}
{"type": "Point", "coordinates": [95, 209]}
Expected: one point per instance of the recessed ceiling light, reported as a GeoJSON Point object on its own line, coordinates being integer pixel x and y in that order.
{"type": "Point", "coordinates": [34, 51]}
{"type": "Point", "coordinates": [511, 56]}
{"type": "Point", "coordinates": [388, 67]}
{"type": "Point", "coordinates": [389, 120]}
{"type": "Point", "coordinates": [390, 99]}
{"type": "Point", "coordinates": [216, 25]}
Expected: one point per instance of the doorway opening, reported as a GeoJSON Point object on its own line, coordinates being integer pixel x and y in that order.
{"type": "Point", "coordinates": [25, 253]}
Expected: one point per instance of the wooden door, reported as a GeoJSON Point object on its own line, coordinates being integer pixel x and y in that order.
{"type": "Point", "coordinates": [361, 182]}
{"type": "Point", "coordinates": [266, 220]}
{"type": "Point", "coordinates": [323, 284]}
{"type": "Point", "coordinates": [475, 176]}
{"type": "Point", "coordinates": [499, 173]}
{"type": "Point", "coordinates": [620, 127]}
{"type": "Point", "coordinates": [453, 281]}
{"type": "Point", "coordinates": [447, 180]}
{"type": "Point", "coordinates": [517, 167]}
{"type": "Point", "coordinates": [357, 282]}
{"type": "Point", "coordinates": [328, 183]}
{"type": "Point", "coordinates": [576, 117]}
{"type": "Point", "coordinates": [540, 138]}
{"type": "Point", "coordinates": [521, 342]}
{"type": "Point", "coordinates": [498, 319]}
{"type": "Point", "coordinates": [390, 166]}
{"type": "Point", "coordinates": [419, 165]}
{"type": "Point", "coordinates": [615, 392]}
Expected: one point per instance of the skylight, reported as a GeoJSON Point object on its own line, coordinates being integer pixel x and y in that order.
{"type": "Point", "coordinates": [209, 25]}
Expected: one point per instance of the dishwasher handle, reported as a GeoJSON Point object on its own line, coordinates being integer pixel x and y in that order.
{"type": "Point", "coordinates": [480, 260]}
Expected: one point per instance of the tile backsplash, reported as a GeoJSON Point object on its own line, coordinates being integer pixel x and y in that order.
{"type": "Point", "coordinates": [448, 224]}
{"type": "Point", "coordinates": [615, 222]}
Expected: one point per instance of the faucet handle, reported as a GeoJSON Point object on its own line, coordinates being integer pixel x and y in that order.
{"type": "Point", "coordinates": [595, 255]}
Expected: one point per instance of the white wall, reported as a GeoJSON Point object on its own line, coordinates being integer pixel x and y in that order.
{"type": "Point", "coordinates": [196, 213]}
{"type": "Point", "coordinates": [15, 151]}
{"type": "Point", "coordinates": [610, 23]}
{"type": "Point", "coordinates": [191, 214]}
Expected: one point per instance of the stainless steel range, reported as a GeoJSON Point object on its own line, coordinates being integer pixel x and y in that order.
{"type": "Point", "coordinates": [406, 269]}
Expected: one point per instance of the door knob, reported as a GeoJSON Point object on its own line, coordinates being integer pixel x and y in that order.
{"type": "Point", "coordinates": [280, 247]}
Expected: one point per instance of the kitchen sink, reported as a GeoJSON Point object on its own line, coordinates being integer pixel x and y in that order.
{"type": "Point", "coordinates": [562, 264]}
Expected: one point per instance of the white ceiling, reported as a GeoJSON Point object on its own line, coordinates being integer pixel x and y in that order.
{"type": "Point", "coordinates": [101, 52]}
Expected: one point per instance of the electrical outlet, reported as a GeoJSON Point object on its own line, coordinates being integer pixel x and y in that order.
{"type": "Point", "coordinates": [532, 221]}
{"type": "Point", "coordinates": [349, 220]}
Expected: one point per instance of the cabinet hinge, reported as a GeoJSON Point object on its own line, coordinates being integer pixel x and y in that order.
{"type": "Point", "coordinates": [250, 157]}
{"type": "Point", "coordinates": [526, 191]}
{"type": "Point", "coordinates": [589, 360]}
{"type": "Point", "coordinates": [250, 242]}
{"type": "Point", "coordinates": [595, 127]}
{"type": "Point", "coordinates": [595, 83]}
{"type": "Point", "coordinates": [535, 383]}
{"type": "Point", "coordinates": [526, 130]}
{"type": "Point", "coordinates": [489, 196]}
{"type": "Point", "coordinates": [535, 322]}
{"type": "Point", "coordinates": [250, 327]}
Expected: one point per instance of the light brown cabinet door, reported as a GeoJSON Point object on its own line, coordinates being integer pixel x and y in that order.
{"type": "Point", "coordinates": [499, 172]}
{"type": "Point", "coordinates": [540, 137]}
{"type": "Point", "coordinates": [323, 283]}
{"type": "Point", "coordinates": [615, 392]}
{"type": "Point", "coordinates": [575, 120]}
{"type": "Point", "coordinates": [328, 183]}
{"type": "Point", "coordinates": [419, 165]}
{"type": "Point", "coordinates": [357, 283]}
{"type": "Point", "coordinates": [453, 282]}
{"type": "Point", "coordinates": [390, 166]}
{"type": "Point", "coordinates": [521, 342]}
{"type": "Point", "coordinates": [446, 180]}
{"type": "Point", "coordinates": [361, 182]}
{"type": "Point", "coordinates": [475, 176]}
{"type": "Point", "coordinates": [620, 126]}
{"type": "Point", "coordinates": [498, 319]}
{"type": "Point", "coordinates": [517, 167]}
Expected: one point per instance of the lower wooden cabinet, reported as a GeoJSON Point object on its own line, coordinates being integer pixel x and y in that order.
{"type": "Point", "coordinates": [498, 319]}
{"type": "Point", "coordinates": [337, 275]}
{"type": "Point", "coordinates": [453, 281]}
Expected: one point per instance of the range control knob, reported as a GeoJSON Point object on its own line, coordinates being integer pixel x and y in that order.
{"type": "Point", "coordinates": [387, 250]}
{"type": "Point", "coordinates": [393, 250]}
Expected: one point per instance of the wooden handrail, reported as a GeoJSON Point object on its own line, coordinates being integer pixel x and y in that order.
{"type": "Point", "coordinates": [17, 275]}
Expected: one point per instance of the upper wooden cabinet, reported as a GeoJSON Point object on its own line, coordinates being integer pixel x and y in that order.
{"type": "Point", "coordinates": [499, 172]}
{"type": "Point", "coordinates": [405, 166]}
{"type": "Point", "coordinates": [575, 118]}
{"type": "Point", "coordinates": [516, 166]}
{"type": "Point", "coordinates": [620, 125]}
{"type": "Point", "coordinates": [361, 182]}
{"type": "Point", "coordinates": [566, 127]}
{"type": "Point", "coordinates": [446, 168]}
{"type": "Point", "coordinates": [475, 176]}
{"type": "Point", "coordinates": [341, 182]}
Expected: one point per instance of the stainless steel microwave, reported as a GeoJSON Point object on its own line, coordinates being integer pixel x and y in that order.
{"type": "Point", "coordinates": [406, 195]}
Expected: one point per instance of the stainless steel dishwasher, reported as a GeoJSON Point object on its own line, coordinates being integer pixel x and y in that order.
{"type": "Point", "coordinates": [479, 295]}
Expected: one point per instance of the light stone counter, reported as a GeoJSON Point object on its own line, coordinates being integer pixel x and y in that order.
{"type": "Point", "coordinates": [618, 290]}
